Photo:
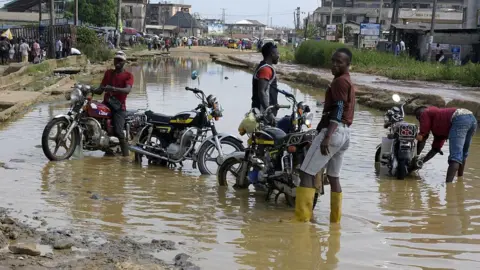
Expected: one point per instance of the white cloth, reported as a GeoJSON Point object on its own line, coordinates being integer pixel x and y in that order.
{"type": "Point", "coordinates": [74, 51]}
{"type": "Point", "coordinates": [24, 49]}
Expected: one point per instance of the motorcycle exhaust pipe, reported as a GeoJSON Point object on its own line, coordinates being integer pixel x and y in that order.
{"type": "Point", "coordinates": [139, 150]}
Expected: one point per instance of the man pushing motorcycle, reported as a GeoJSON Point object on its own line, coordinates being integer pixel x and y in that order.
{"type": "Point", "coordinates": [456, 125]}
{"type": "Point", "coordinates": [333, 140]}
{"type": "Point", "coordinates": [117, 84]}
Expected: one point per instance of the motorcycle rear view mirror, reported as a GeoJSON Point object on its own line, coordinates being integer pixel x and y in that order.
{"type": "Point", "coordinates": [195, 76]}
{"type": "Point", "coordinates": [396, 98]}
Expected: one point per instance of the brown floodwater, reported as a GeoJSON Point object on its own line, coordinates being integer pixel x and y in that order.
{"type": "Point", "coordinates": [419, 223]}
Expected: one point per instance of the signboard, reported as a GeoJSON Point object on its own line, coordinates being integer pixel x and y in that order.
{"type": "Point", "coordinates": [331, 32]}
{"type": "Point", "coordinates": [370, 29]}
{"type": "Point", "coordinates": [215, 28]}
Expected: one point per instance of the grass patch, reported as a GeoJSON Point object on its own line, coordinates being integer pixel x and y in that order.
{"type": "Point", "coordinates": [287, 53]}
{"type": "Point", "coordinates": [96, 52]}
{"type": "Point", "coordinates": [318, 53]}
{"type": "Point", "coordinates": [42, 67]}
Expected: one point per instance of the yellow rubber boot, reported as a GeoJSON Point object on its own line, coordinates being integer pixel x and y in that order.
{"type": "Point", "coordinates": [304, 204]}
{"type": "Point", "coordinates": [335, 207]}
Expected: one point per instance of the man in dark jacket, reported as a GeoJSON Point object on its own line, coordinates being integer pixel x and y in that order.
{"type": "Point", "coordinates": [264, 83]}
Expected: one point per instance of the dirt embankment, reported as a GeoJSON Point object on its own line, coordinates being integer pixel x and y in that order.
{"type": "Point", "coordinates": [29, 244]}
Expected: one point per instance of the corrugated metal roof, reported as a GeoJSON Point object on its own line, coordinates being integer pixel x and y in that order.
{"type": "Point", "coordinates": [184, 20]}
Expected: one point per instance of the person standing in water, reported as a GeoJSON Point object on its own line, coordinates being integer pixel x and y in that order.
{"type": "Point", "coordinates": [328, 148]}
{"type": "Point", "coordinates": [264, 83]}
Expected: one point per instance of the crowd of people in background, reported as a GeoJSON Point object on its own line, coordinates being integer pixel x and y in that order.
{"type": "Point", "coordinates": [25, 50]}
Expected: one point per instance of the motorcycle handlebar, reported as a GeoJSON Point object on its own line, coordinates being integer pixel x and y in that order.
{"type": "Point", "coordinates": [283, 106]}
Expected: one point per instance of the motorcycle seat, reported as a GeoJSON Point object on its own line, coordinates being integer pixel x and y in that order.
{"type": "Point", "coordinates": [158, 117]}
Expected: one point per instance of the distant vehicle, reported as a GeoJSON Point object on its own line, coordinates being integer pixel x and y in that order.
{"type": "Point", "coordinates": [232, 44]}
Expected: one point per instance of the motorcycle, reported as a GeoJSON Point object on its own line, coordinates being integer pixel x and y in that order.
{"type": "Point", "coordinates": [169, 140]}
{"type": "Point", "coordinates": [88, 124]}
{"type": "Point", "coordinates": [398, 150]}
{"type": "Point", "coordinates": [273, 157]}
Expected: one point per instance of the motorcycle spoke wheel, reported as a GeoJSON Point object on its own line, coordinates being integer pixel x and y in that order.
{"type": "Point", "coordinates": [60, 141]}
{"type": "Point", "coordinates": [228, 173]}
{"type": "Point", "coordinates": [208, 155]}
{"type": "Point", "coordinates": [54, 143]}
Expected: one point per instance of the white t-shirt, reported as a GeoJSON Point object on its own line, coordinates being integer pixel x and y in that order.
{"type": "Point", "coordinates": [24, 49]}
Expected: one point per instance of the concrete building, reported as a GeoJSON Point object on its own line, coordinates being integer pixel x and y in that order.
{"type": "Point", "coordinates": [134, 14]}
{"type": "Point", "coordinates": [252, 28]}
{"type": "Point", "coordinates": [186, 25]}
{"type": "Point", "coordinates": [158, 14]}
{"type": "Point", "coordinates": [453, 4]}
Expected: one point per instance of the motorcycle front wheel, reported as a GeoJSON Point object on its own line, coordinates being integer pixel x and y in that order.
{"type": "Point", "coordinates": [232, 166]}
{"type": "Point", "coordinates": [206, 151]}
{"type": "Point", "coordinates": [60, 127]}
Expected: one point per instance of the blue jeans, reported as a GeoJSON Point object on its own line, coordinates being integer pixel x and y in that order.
{"type": "Point", "coordinates": [460, 137]}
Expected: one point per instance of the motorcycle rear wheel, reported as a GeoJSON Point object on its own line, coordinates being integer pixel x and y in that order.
{"type": "Point", "coordinates": [401, 169]}
{"type": "Point", "coordinates": [74, 139]}
{"type": "Point", "coordinates": [143, 141]}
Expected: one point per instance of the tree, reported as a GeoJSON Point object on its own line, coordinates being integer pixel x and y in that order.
{"type": "Point", "coordinates": [95, 12]}
{"type": "Point", "coordinates": [348, 33]}
{"type": "Point", "coordinates": [311, 33]}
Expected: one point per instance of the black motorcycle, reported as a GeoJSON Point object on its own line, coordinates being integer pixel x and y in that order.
{"type": "Point", "coordinates": [273, 157]}
{"type": "Point", "coordinates": [169, 140]}
{"type": "Point", "coordinates": [398, 151]}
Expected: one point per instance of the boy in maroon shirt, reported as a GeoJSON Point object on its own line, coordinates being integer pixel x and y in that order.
{"type": "Point", "coordinates": [117, 84]}
{"type": "Point", "coordinates": [456, 125]}
{"type": "Point", "coordinates": [330, 145]}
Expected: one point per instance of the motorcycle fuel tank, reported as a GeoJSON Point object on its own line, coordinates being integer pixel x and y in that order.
{"type": "Point", "coordinates": [99, 110]}
{"type": "Point", "coordinates": [184, 118]}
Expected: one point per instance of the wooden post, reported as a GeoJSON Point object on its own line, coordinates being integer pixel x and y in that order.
{"type": "Point", "coordinates": [432, 31]}
{"type": "Point", "coordinates": [52, 28]}
{"type": "Point", "coordinates": [76, 13]}
{"type": "Point", "coordinates": [119, 18]}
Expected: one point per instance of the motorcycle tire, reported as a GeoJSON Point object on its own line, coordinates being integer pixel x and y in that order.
{"type": "Point", "coordinates": [75, 137]}
{"type": "Point", "coordinates": [377, 154]}
{"type": "Point", "coordinates": [138, 157]}
{"type": "Point", "coordinates": [208, 145]}
{"type": "Point", "coordinates": [291, 200]}
{"type": "Point", "coordinates": [401, 169]}
{"type": "Point", "coordinates": [224, 169]}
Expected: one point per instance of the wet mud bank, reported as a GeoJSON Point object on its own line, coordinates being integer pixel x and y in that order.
{"type": "Point", "coordinates": [369, 94]}
{"type": "Point", "coordinates": [29, 243]}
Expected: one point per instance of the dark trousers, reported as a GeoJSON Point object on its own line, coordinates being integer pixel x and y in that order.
{"type": "Point", "coordinates": [118, 121]}
{"type": "Point", "coordinates": [4, 56]}
{"type": "Point", "coordinates": [59, 54]}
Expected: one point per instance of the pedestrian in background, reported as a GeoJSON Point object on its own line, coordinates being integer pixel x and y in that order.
{"type": "Point", "coordinates": [58, 48]}
{"type": "Point", "coordinates": [4, 50]}
{"type": "Point", "coordinates": [24, 50]}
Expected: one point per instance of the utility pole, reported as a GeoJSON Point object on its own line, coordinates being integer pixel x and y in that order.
{"type": "Point", "coordinates": [392, 35]}
{"type": "Point", "coordinates": [147, 10]}
{"type": "Point", "coordinates": [164, 16]}
{"type": "Point", "coordinates": [223, 15]}
{"type": "Point", "coordinates": [76, 13]}
{"type": "Point", "coordinates": [432, 31]}
{"type": "Point", "coordinates": [331, 11]}
{"type": "Point", "coordinates": [52, 28]}
{"type": "Point", "coordinates": [298, 17]}
{"type": "Point", "coordinates": [119, 18]}
{"type": "Point", "coordinates": [379, 18]}
{"type": "Point", "coordinates": [40, 12]}
{"type": "Point", "coordinates": [306, 26]}
{"type": "Point", "coordinates": [268, 12]}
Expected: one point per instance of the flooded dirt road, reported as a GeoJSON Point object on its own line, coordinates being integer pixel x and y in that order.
{"type": "Point", "coordinates": [420, 223]}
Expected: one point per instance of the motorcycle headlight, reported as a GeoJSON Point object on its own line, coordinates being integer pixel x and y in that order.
{"type": "Point", "coordinates": [75, 95]}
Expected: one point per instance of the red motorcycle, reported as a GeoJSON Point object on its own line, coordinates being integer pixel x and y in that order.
{"type": "Point", "coordinates": [88, 125]}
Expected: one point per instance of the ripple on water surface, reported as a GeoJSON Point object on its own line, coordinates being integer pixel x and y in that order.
{"type": "Point", "coordinates": [413, 224]}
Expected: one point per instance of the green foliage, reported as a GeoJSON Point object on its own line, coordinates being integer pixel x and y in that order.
{"type": "Point", "coordinates": [319, 53]}
{"type": "Point", "coordinates": [287, 53]}
{"type": "Point", "coordinates": [87, 36]}
{"type": "Point", "coordinates": [95, 12]}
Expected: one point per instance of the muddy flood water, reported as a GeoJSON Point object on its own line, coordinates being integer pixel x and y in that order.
{"type": "Point", "coordinates": [419, 223]}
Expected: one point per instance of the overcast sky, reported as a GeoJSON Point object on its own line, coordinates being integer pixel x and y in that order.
{"type": "Point", "coordinates": [281, 11]}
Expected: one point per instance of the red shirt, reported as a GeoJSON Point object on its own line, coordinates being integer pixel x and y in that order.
{"type": "Point", "coordinates": [120, 80]}
{"type": "Point", "coordinates": [438, 121]}
{"type": "Point", "coordinates": [341, 91]}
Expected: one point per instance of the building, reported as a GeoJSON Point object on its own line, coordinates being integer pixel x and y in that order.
{"type": "Point", "coordinates": [253, 28]}
{"type": "Point", "coordinates": [418, 4]}
{"type": "Point", "coordinates": [33, 6]}
{"type": "Point", "coordinates": [186, 25]}
{"type": "Point", "coordinates": [158, 14]}
{"type": "Point", "coordinates": [134, 14]}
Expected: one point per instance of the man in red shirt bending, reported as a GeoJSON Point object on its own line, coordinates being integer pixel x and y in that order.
{"type": "Point", "coordinates": [456, 125]}
{"type": "Point", "coordinates": [117, 84]}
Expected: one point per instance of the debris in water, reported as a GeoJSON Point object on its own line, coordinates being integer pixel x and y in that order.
{"type": "Point", "coordinates": [24, 249]}
{"type": "Point", "coordinates": [95, 197]}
